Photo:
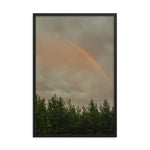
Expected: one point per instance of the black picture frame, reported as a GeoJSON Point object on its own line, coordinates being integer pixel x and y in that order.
{"type": "Point", "coordinates": [115, 68]}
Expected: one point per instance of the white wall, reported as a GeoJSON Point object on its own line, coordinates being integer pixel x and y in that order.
{"type": "Point", "coordinates": [16, 74]}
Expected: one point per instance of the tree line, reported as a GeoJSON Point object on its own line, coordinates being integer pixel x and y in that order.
{"type": "Point", "coordinates": [57, 118]}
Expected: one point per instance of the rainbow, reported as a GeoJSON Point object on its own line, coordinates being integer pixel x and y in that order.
{"type": "Point", "coordinates": [81, 50]}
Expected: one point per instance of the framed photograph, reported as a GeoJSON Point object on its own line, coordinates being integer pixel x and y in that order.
{"type": "Point", "coordinates": [75, 75]}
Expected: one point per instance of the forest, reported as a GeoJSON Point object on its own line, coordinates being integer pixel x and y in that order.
{"type": "Point", "coordinates": [55, 117]}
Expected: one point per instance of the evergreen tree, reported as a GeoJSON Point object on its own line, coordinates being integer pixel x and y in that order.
{"type": "Point", "coordinates": [106, 119]}
{"type": "Point", "coordinates": [40, 116]}
{"type": "Point", "coordinates": [57, 118]}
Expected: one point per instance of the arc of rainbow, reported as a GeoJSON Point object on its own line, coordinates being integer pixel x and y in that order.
{"type": "Point", "coordinates": [81, 50]}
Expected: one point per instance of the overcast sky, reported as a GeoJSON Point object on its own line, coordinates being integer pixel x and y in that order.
{"type": "Point", "coordinates": [64, 70]}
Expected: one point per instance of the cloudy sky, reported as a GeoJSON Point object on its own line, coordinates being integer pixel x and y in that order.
{"type": "Point", "coordinates": [63, 69]}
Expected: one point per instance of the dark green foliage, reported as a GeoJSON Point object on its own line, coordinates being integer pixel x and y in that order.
{"type": "Point", "coordinates": [56, 118]}
{"type": "Point", "coordinates": [41, 118]}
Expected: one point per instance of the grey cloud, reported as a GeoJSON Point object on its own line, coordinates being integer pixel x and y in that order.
{"type": "Point", "coordinates": [95, 35]}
